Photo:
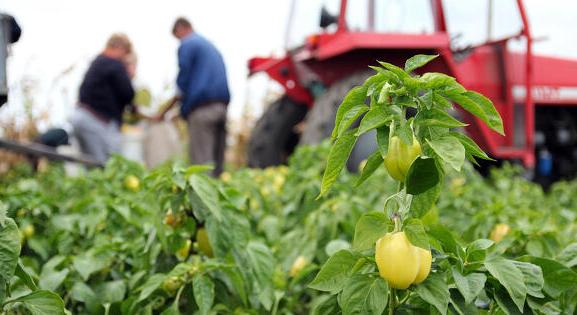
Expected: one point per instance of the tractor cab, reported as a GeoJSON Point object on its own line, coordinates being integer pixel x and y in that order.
{"type": "Point", "coordinates": [377, 16]}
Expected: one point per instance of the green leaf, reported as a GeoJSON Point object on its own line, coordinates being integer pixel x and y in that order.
{"type": "Point", "coordinates": [480, 244]}
{"type": "Point", "coordinates": [405, 133]}
{"type": "Point", "coordinates": [383, 140]}
{"type": "Point", "coordinates": [533, 277]}
{"type": "Point", "coordinates": [327, 305]}
{"type": "Point", "coordinates": [203, 289]}
{"type": "Point", "coordinates": [238, 283]}
{"type": "Point", "coordinates": [87, 264]}
{"type": "Point", "coordinates": [370, 227]}
{"type": "Point", "coordinates": [477, 250]}
{"type": "Point", "coordinates": [418, 61]}
{"type": "Point", "coordinates": [549, 308]}
{"type": "Point", "coordinates": [510, 277]}
{"type": "Point", "coordinates": [422, 176]}
{"type": "Point", "coordinates": [350, 117]}
{"type": "Point", "coordinates": [335, 272]}
{"type": "Point", "coordinates": [376, 117]}
{"type": "Point", "coordinates": [567, 301]}
{"type": "Point", "coordinates": [51, 279]}
{"type": "Point", "coordinates": [151, 285]}
{"type": "Point", "coordinates": [180, 270]}
{"type": "Point", "coordinates": [479, 106]}
{"type": "Point", "coordinates": [400, 73]}
{"type": "Point", "coordinates": [110, 292]}
{"type": "Point", "coordinates": [123, 210]}
{"type": "Point", "coordinates": [441, 101]}
{"type": "Point", "coordinates": [3, 214]}
{"type": "Point", "coordinates": [568, 256]}
{"type": "Point", "coordinates": [41, 302]}
{"type": "Point", "coordinates": [83, 293]}
{"type": "Point", "coordinates": [261, 262]}
{"type": "Point", "coordinates": [25, 277]}
{"type": "Point", "coordinates": [3, 285]}
{"type": "Point", "coordinates": [450, 150]}
{"type": "Point", "coordinates": [193, 169]}
{"type": "Point", "coordinates": [172, 309]}
{"type": "Point", "coordinates": [436, 80]}
{"type": "Point", "coordinates": [493, 117]}
{"type": "Point", "coordinates": [9, 248]}
{"type": "Point", "coordinates": [337, 159]}
{"type": "Point", "coordinates": [427, 99]}
{"type": "Point", "coordinates": [437, 118]}
{"type": "Point", "coordinates": [506, 305]}
{"type": "Point", "coordinates": [423, 202]}
{"type": "Point", "coordinates": [374, 81]}
{"type": "Point", "coordinates": [435, 291]}
{"type": "Point", "coordinates": [470, 285]}
{"type": "Point", "coordinates": [384, 76]}
{"type": "Point", "coordinates": [336, 245]}
{"type": "Point", "coordinates": [446, 238]}
{"type": "Point", "coordinates": [355, 97]}
{"type": "Point", "coordinates": [459, 306]}
{"type": "Point", "coordinates": [207, 193]}
{"type": "Point", "coordinates": [384, 94]}
{"type": "Point", "coordinates": [470, 146]}
{"type": "Point", "coordinates": [558, 278]}
{"type": "Point", "coordinates": [416, 234]}
{"type": "Point", "coordinates": [373, 162]}
{"type": "Point", "coordinates": [364, 294]}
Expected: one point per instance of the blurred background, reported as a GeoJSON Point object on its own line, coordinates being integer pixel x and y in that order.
{"type": "Point", "coordinates": [61, 37]}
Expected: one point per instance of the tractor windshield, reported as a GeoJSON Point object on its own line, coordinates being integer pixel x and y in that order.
{"type": "Point", "coordinates": [390, 16]}
{"type": "Point", "coordinates": [385, 16]}
{"type": "Point", "coordinates": [491, 20]}
{"type": "Point", "coordinates": [305, 19]}
{"type": "Point", "coordinates": [469, 22]}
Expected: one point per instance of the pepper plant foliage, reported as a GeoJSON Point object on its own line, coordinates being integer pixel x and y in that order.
{"type": "Point", "coordinates": [36, 301]}
{"type": "Point", "coordinates": [464, 277]}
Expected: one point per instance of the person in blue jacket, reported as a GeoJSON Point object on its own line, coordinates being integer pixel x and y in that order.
{"type": "Point", "coordinates": [203, 94]}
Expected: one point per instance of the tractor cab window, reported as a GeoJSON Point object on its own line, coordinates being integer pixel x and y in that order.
{"type": "Point", "coordinates": [390, 16]}
{"type": "Point", "coordinates": [305, 19]}
{"type": "Point", "coordinates": [474, 22]}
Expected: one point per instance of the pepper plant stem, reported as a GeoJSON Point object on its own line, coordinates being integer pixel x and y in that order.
{"type": "Point", "coordinates": [392, 301]}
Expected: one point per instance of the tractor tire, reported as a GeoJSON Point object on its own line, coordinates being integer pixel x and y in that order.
{"type": "Point", "coordinates": [273, 138]}
{"type": "Point", "coordinates": [321, 119]}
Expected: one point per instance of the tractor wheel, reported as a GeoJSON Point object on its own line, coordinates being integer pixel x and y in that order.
{"type": "Point", "coordinates": [273, 139]}
{"type": "Point", "coordinates": [321, 119]}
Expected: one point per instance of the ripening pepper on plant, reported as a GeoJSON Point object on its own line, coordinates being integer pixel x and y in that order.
{"type": "Point", "coordinates": [132, 183]}
{"type": "Point", "coordinates": [401, 263]}
{"type": "Point", "coordinates": [400, 157]}
{"type": "Point", "coordinates": [499, 232]}
{"type": "Point", "coordinates": [203, 242]}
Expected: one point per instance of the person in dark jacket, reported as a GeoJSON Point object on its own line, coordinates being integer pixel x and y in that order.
{"type": "Point", "coordinates": [204, 95]}
{"type": "Point", "coordinates": [104, 94]}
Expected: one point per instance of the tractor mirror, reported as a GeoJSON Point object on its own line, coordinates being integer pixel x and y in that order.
{"type": "Point", "coordinates": [327, 19]}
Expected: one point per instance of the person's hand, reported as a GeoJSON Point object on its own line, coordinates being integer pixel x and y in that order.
{"type": "Point", "coordinates": [154, 118]}
{"type": "Point", "coordinates": [157, 118]}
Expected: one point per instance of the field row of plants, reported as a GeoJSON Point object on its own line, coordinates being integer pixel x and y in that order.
{"type": "Point", "coordinates": [100, 245]}
{"type": "Point", "coordinates": [427, 236]}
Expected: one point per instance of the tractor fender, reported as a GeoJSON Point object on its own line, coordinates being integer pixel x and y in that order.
{"type": "Point", "coordinates": [283, 71]}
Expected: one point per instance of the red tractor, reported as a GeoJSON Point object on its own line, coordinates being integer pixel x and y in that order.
{"type": "Point", "coordinates": [535, 95]}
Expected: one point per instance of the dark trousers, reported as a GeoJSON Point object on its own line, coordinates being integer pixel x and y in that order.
{"type": "Point", "coordinates": [207, 135]}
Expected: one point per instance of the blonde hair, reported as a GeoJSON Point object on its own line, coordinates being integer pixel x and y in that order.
{"type": "Point", "coordinates": [119, 40]}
